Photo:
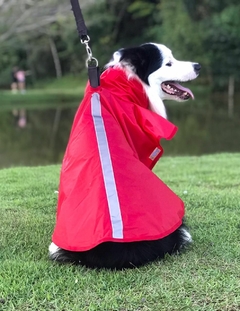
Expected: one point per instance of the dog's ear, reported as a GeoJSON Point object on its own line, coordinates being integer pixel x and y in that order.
{"type": "Point", "coordinates": [133, 56]}
{"type": "Point", "coordinates": [143, 60]}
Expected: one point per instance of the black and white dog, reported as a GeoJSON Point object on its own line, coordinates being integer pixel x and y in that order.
{"type": "Point", "coordinates": [159, 73]}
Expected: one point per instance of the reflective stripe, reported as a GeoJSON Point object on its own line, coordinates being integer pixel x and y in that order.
{"type": "Point", "coordinates": [154, 154]}
{"type": "Point", "coordinates": [107, 169]}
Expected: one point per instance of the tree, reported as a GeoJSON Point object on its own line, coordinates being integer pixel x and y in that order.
{"type": "Point", "coordinates": [222, 36]}
{"type": "Point", "coordinates": [31, 28]}
{"type": "Point", "coordinates": [21, 16]}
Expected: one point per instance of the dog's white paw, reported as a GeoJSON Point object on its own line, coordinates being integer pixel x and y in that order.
{"type": "Point", "coordinates": [53, 248]}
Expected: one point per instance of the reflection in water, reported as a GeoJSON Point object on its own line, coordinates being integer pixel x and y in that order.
{"type": "Point", "coordinates": [20, 117]}
{"type": "Point", "coordinates": [42, 141]}
{"type": "Point", "coordinates": [204, 127]}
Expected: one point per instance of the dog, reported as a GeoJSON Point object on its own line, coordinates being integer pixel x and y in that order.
{"type": "Point", "coordinates": [113, 212]}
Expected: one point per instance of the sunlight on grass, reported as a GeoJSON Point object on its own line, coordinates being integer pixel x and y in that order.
{"type": "Point", "coordinates": [205, 277]}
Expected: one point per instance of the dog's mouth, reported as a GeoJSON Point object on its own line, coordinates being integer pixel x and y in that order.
{"type": "Point", "coordinates": [175, 89]}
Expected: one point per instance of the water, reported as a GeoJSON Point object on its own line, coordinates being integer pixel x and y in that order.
{"type": "Point", "coordinates": [204, 127]}
{"type": "Point", "coordinates": [41, 142]}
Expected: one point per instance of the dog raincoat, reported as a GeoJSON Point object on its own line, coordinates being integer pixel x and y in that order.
{"type": "Point", "coordinates": [107, 189]}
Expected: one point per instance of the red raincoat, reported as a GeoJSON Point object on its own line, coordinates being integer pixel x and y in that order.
{"type": "Point", "coordinates": [107, 189]}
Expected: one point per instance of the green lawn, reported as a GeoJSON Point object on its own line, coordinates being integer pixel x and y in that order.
{"type": "Point", "coordinates": [206, 277]}
{"type": "Point", "coordinates": [62, 91]}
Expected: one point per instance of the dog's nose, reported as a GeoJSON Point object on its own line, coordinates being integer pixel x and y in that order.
{"type": "Point", "coordinates": [197, 67]}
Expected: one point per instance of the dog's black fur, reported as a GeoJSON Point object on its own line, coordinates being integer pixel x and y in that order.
{"type": "Point", "coordinates": [113, 255]}
{"type": "Point", "coordinates": [144, 59]}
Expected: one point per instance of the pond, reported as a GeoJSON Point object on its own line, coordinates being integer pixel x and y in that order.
{"type": "Point", "coordinates": [204, 127]}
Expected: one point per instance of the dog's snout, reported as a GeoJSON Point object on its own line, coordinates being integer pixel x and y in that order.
{"type": "Point", "coordinates": [197, 68]}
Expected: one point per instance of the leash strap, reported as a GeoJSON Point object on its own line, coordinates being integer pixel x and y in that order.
{"type": "Point", "coordinates": [91, 62]}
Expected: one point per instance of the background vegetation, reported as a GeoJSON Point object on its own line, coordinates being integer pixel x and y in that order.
{"type": "Point", "coordinates": [41, 35]}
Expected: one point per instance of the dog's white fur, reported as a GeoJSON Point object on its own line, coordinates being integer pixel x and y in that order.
{"type": "Point", "coordinates": [181, 71]}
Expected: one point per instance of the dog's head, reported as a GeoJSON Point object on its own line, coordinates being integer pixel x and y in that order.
{"type": "Point", "coordinates": [159, 71]}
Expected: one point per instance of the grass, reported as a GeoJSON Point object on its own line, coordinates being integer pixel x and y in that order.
{"type": "Point", "coordinates": [205, 277]}
{"type": "Point", "coordinates": [57, 92]}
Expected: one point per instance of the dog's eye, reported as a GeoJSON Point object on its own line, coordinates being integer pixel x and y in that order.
{"type": "Point", "coordinates": [169, 64]}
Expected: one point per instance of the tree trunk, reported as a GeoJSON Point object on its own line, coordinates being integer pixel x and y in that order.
{"type": "Point", "coordinates": [56, 59]}
{"type": "Point", "coordinates": [230, 96]}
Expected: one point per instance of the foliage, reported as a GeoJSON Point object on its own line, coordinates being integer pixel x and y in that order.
{"type": "Point", "coordinates": [219, 21]}
{"type": "Point", "coordinates": [205, 31]}
{"type": "Point", "coordinates": [223, 35]}
{"type": "Point", "coordinates": [178, 31]}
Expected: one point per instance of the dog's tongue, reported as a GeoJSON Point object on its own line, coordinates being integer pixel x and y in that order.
{"type": "Point", "coordinates": [181, 88]}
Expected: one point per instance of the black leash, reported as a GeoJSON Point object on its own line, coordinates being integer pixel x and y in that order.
{"type": "Point", "coordinates": [91, 62]}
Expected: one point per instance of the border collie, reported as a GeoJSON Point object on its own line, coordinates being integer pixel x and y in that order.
{"type": "Point", "coordinates": [159, 73]}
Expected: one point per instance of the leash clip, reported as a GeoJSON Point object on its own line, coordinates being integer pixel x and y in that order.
{"type": "Point", "coordinates": [91, 64]}
{"type": "Point", "coordinates": [91, 61]}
